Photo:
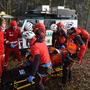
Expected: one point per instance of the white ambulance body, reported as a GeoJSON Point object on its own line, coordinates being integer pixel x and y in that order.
{"type": "Point", "coordinates": [67, 25]}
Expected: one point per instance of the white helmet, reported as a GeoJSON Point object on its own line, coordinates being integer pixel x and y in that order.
{"type": "Point", "coordinates": [28, 26]}
{"type": "Point", "coordinates": [28, 34]}
{"type": "Point", "coordinates": [53, 27]}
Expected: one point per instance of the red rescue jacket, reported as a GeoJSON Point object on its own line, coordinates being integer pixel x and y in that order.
{"type": "Point", "coordinates": [42, 50]}
{"type": "Point", "coordinates": [11, 36]}
{"type": "Point", "coordinates": [1, 42]}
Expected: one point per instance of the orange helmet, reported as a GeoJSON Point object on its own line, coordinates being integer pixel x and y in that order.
{"type": "Point", "coordinates": [40, 30]}
{"type": "Point", "coordinates": [60, 25]}
{"type": "Point", "coordinates": [39, 26]}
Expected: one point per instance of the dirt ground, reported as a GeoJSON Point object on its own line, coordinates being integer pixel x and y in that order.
{"type": "Point", "coordinates": [80, 77]}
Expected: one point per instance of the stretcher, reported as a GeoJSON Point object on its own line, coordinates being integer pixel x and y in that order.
{"type": "Point", "coordinates": [16, 79]}
{"type": "Point", "coordinates": [23, 84]}
{"type": "Point", "coordinates": [12, 78]}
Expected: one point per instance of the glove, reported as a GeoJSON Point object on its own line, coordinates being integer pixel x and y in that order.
{"type": "Point", "coordinates": [30, 78]}
{"type": "Point", "coordinates": [62, 46]}
{"type": "Point", "coordinates": [12, 46]}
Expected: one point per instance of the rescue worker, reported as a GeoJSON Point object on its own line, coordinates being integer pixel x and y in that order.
{"type": "Point", "coordinates": [59, 36]}
{"type": "Point", "coordinates": [40, 31]}
{"type": "Point", "coordinates": [53, 27]}
{"type": "Point", "coordinates": [59, 40]}
{"type": "Point", "coordinates": [2, 27]}
{"type": "Point", "coordinates": [12, 35]}
{"type": "Point", "coordinates": [40, 59]}
{"type": "Point", "coordinates": [79, 35]}
{"type": "Point", "coordinates": [85, 36]}
{"type": "Point", "coordinates": [23, 43]}
{"type": "Point", "coordinates": [62, 34]}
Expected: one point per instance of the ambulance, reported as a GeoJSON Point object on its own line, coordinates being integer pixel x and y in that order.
{"type": "Point", "coordinates": [47, 16]}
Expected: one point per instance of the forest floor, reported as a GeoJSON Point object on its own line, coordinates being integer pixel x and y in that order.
{"type": "Point", "coordinates": [80, 77]}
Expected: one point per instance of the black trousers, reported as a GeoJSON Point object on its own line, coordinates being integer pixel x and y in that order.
{"type": "Point", "coordinates": [67, 74]}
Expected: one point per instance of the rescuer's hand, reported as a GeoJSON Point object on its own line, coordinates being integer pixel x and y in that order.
{"type": "Point", "coordinates": [30, 78]}
{"type": "Point", "coordinates": [12, 45]}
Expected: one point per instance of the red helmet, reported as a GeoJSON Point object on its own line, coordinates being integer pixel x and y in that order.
{"type": "Point", "coordinates": [13, 23]}
{"type": "Point", "coordinates": [60, 25]}
{"type": "Point", "coordinates": [39, 26]}
{"type": "Point", "coordinates": [40, 30]}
